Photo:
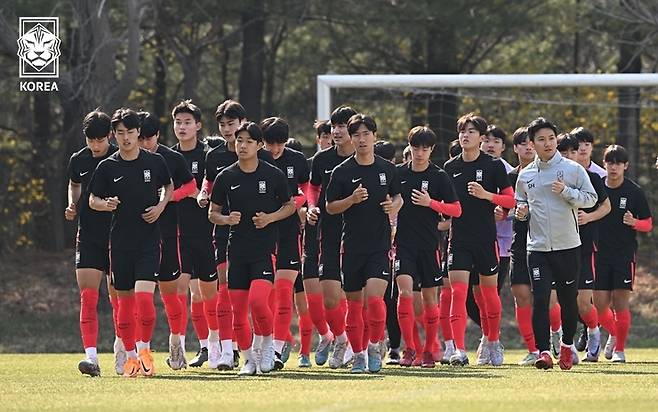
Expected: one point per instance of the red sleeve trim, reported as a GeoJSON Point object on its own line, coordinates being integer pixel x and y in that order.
{"type": "Point", "coordinates": [312, 194]}
{"type": "Point", "coordinates": [644, 225]}
{"type": "Point", "coordinates": [184, 191]}
{"type": "Point", "coordinates": [505, 198]}
{"type": "Point", "coordinates": [453, 209]}
{"type": "Point", "coordinates": [207, 187]}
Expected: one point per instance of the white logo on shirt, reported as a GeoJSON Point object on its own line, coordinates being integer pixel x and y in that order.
{"type": "Point", "coordinates": [116, 179]}
{"type": "Point", "coordinates": [291, 172]}
{"type": "Point", "coordinates": [234, 187]}
{"type": "Point", "coordinates": [195, 167]}
{"type": "Point", "coordinates": [83, 173]}
{"type": "Point", "coordinates": [355, 180]}
{"type": "Point", "coordinates": [262, 188]}
{"type": "Point", "coordinates": [147, 175]}
{"type": "Point", "coordinates": [396, 265]}
{"type": "Point", "coordinates": [478, 175]}
{"type": "Point", "coordinates": [327, 171]}
{"type": "Point", "coordinates": [622, 203]}
{"type": "Point", "coordinates": [424, 185]}
{"type": "Point", "coordinates": [382, 179]}
{"type": "Point", "coordinates": [456, 174]}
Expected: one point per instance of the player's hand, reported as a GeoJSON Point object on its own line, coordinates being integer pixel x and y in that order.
{"type": "Point", "coordinates": [194, 194]}
{"type": "Point", "coordinates": [312, 215]}
{"type": "Point", "coordinates": [499, 214]}
{"type": "Point", "coordinates": [360, 194]}
{"type": "Point", "coordinates": [387, 204]}
{"type": "Point", "coordinates": [202, 198]}
{"type": "Point", "coordinates": [301, 213]}
{"type": "Point", "coordinates": [420, 198]}
{"type": "Point", "coordinates": [629, 219]}
{"type": "Point", "coordinates": [70, 212]}
{"type": "Point", "coordinates": [557, 187]}
{"type": "Point", "coordinates": [261, 220]}
{"type": "Point", "coordinates": [583, 218]}
{"type": "Point", "coordinates": [476, 190]}
{"type": "Point", "coordinates": [111, 203]}
{"type": "Point", "coordinates": [521, 212]}
{"type": "Point", "coordinates": [234, 218]}
{"type": "Point", "coordinates": [152, 213]}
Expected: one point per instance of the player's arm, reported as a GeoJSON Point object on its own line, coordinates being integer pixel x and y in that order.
{"type": "Point", "coordinates": [152, 213]}
{"type": "Point", "coordinates": [215, 216]}
{"type": "Point", "coordinates": [522, 209]}
{"type": "Point", "coordinates": [206, 187]}
{"type": "Point", "coordinates": [99, 198]}
{"type": "Point", "coordinates": [582, 195]}
{"type": "Point", "coordinates": [643, 222]}
{"type": "Point", "coordinates": [187, 189]}
{"type": "Point", "coordinates": [338, 206]}
{"type": "Point", "coordinates": [262, 219]}
{"type": "Point", "coordinates": [74, 192]}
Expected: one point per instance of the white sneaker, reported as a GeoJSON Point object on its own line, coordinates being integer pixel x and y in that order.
{"type": "Point", "coordinates": [459, 358]}
{"type": "Point", "coordinates": [618, 357]}
{"type": "Point", "coordinates": [556, 338]}
{"type": "Point", "coordinates": [593, 346]}
{"type": "Point", "coordinates": [120, 356]}
{"type": "Point", "coordinates": [256, 355]}
{"type": "Point", "coordinates": [225, 361]}
{"type": "Point", "coordinates": [447, 354]}
{"type": "Point", "coordinates": [267, 358]}
{"type": "Point", "coordinates": [483, 352]}
{"type": "Point", "coordinates": [496, 350]}
{"type": "Point", "coordinates": [349, 356]}
{"type": "Point", "coordinates": [609, 347]}
{"type": "Point", "coordinates": [338, 356]}
{"type": "Point", "coordinates": [213, 355]}
{"type": "Point", "coordinates": [176, 359]}
{"type": "Point", "coordinates": [249, 368]}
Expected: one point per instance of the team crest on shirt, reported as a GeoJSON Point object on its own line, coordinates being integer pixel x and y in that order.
{"type": "Point", "coordinates": [424, 185]}
{"type": "Point", "coordinates": [291, 172]}
{"type": "Point", "coordinates": [147, 175]}
{"type": "Point", "coordinates": [622, 203]}
{"type": "Point", "coordinates": [262, 187]}
{"type": "Point", "coordinates": [560, 175]}
{"type": "Point", "coordinates": [382, 179]}
{"type": "Point", "coordinates": [478, 175]}
{"type": "Point", "coordinates": [535, 274]}
{"type": "Point", "coordinates": [195, 167]}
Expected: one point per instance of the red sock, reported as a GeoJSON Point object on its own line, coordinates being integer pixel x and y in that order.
{"type": "Point", "coordinates": [494, 311]}
{"type": "Point", "coordinates": [126, 321]}
{"type": "Point", "coordinates": [305, 333]}
{"type": "Point", "coordinates": [224, 313]}
{"type": "Point", "coordinates": [174, 312]}
{"type": "Point", "coordinates": [146, 310]}
{"type": "Point", "coordinates": [89, 317]}
{"type": "Point", "coordinates": [199, 320]}
{"type": "Point", "coordinates": [623, 323]}
{"type": "Point", "coordinates": [458, 313]}
{"type": "Point", "coordinates": [354, 325]}
{"type": "Point", "coordinates": [283, 289]}
{"type": "Point", "coordinates": [114, 301]}
{"type": "Point", "coordinates": [376, 318]}
{"type": "Point", "coordinates": [607, 320]}
{"type": "Point", "coordinates": [431, 317]}
{"type": "Point", "coordinates": [316, 312]}
{"type": "Point", "coordinates": [271, 300]}
{"type": "Point", "coordinates": [482, 306]}
{"type": "Point", "coordinates": [335, 320]}
{"type": "Point", "coordinates": [524, 320]}
{"type": "Point", "coordinates": [184, 310]}
{"type": "Point", "coordinates": [417, 342]}
{"type": "Point", "coordinates": [444, 313]}
{"type": "Point", "coordinates": [343, 306]}
{"type": "Point", "coordinates": [555, 317]}
{"type": "Point", "coordinates": [366, 327]}
{"type": "Point", "coordinates": [259, 293]}
{"type": "Point", "coordinates": [406, 320]}
{"type": "Point", "coordinates": [591, 318]}
{"type": "Point", "coordinates": [240, 306]}
{"type": "Point", "coordinates": [210, 309]}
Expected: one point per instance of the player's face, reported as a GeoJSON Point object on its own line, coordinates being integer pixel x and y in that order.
{"type": "Point", "coordinates": [525, 150]}
{"type": "Point", "coordinates": [246, 147]}
{"type": "Point", "coordinates": [571, 154]}
{"type": "Point", "coordinates": [339, 134]}
{"type": "Point", "coordinates": [545, 143]}
{"type": "Point", "coordinates": [469, 137]}
{"type": "Point", "coordinates": [421, 154]}
{"type": "Point", "coordinates": [363, 140]}
{"type": "Point", "coordinates": [149, 143]}
{"type": "Point", "coordinates": [227, 128]}
{"type": "Point", "coordinates": [615, 170]}
{"type": "Point", "coordinates": [585, 151]}
{"type": "Point", "coordinates": [324, 141]}
{"type": "Point", "coordinates": [185, 127]}
{"type": "Point", "coordinates": [127, 139]}
{"type": "Point", "coordinates": [98, 146]}
{"type": "Point", "coordinates": [275, 148]}
{"type": "Point", "coordinates": [493, 146]}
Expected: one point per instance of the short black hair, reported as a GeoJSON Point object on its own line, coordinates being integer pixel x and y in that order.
{"type": "Point", "coordinates": [359, 119]}
{"type": "Point", "coordinates": [566, 141]}
{"type": "Point", "coordinates": [295, 144]}
{"type": "Point", "coordinates": [341, 115]}
{"type": "Point", "coordinates": [406, 154]}
{"type": "Point", "coordinates": [252, 129]}
{"type": "Point", "coordinates": [385, 149]}
{"type": "Point", "coordinates": [275, 130]}
{"type": "Point", "coordinates": [215, 141]}
{"type": "Point", "coordinates": [127, 117]}
{"type": "Point", "coordinates": [497, 132]}
{"type": "Point", "coordinates": [421, 136]}
{"type": "Point", "coordinates": [615, 154]}
{"type": "Point", "coordinates": [520, 135]}
{"type": "Point", "coordinates": [455, 148]}
{"type": "Point", "coordinates": [186, 106]}
{"type": "Point", "coordinates": [478, 122]}
{"type": "Point", "coordinates": [321, 127]}
{"type": "Point", "coordinates": [582, 135]}
{"type": "Point", "coordinates": [538, 124]}
{"type": "Point", "coordinates": [230, 109]}
{"type": "Point", "coordinates": [150, 125]}
{"type": "Point", "coordinates": [96, 124]}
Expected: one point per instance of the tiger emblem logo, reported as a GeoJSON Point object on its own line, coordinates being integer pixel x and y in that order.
{"type": "Point", "coordinates": [39, 47]}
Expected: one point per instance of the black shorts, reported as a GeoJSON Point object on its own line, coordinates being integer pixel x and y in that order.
{"type": "Point", "coordinates": [299, 284]}
{"type": "Point", "coordinates": [220, 244]}
{"type": "Point", "coordinates": [169, 260]}
{"type": "Point", "coordinates": [129, 266]}
{"type": "Point", "coordinates": [288, 253]}
{"type": "Point", "coordinates": [330, 245]}
{"type": "Point", "coordinates": [519, 269]}
{"type": "Point", "coordinates": [617, 275]}
{"type": "Point", "coordinates": [92, 255]}
{"type": "Point", "coordinates": [422, 265]}
{"type": "Point", "coordinates": [481, 258]}
{"type": "Point", "coordinates": [550, 268]}
{"type": "Point", "coordinates": [359, 267]}
{"type": "Point", "coordinates": [587, 270]}
{"type": "Point", "coordinates": [311, 257]}
{"type": "Point", "coordinates": [242, 270]}
{"type": "Point", "coordinates": [197, 258]}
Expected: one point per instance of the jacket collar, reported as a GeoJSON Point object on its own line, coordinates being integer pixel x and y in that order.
{"type": "Point", "coordinates": [557, 158]}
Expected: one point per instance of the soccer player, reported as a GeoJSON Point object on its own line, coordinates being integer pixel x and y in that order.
{"type": "Point", "coordinates": [427, 191]}
{"type": "Point", "coordinates": [294, 166]}
{"type": "Point", "coordinates": [136, 186]}
{"type": "Point", "coordinates": [257, 196]}
{"type": "Point", "coordinates": [585, 146]}
{"type": "Point", "coordinates": [330, 226]}
{"type": "Point", "coordinates": [365, 189]}
{"type": "Point", "coordinates": [323, 138]}
{"type": "Point", "coordinates": [615, 260]}
{"type": "Point", "coordinates": [481, 183]}
{"type": "Point", "coordinates": [92, 257]}
{"type": "Point", "coordinates": [550, 191]}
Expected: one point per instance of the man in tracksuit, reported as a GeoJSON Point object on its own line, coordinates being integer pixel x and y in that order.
{"type": "Point", "coordinates": [549, 193]}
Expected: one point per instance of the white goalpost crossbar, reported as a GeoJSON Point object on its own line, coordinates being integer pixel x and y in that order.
{"type": "Point", "coordinates": [326, 82]}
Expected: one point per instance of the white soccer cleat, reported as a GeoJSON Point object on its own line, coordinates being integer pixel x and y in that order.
{"type": "Point", "coordinates": [267, 358]}
{"type": "Point", "coordinates": [176, 359]}
{"type": "Point", "coordinates": [225, 361]}
{"type": "Point", "coordinates": [338, 356]}
{"type": "Point", "coordinates": [618, 357]}
{"type": "Point", "coordinates": [556, 338]}
{"type": "Point", "coordinates": [120, 356]}
{"type": "Point", "coordinates": [447, 354]}
{"type": "Point", "coordinates": [484, 352]}
{"type": "Point", "coordinates": [214, 354]}
{"type": "Point", "coordinates": [496, 351]}
{"type": "Point", "coordinates": [248, 369]}
{"type": "Point", "coordinates": [609, 347]}
{"type": "Point", "coordinates": [593, 346]}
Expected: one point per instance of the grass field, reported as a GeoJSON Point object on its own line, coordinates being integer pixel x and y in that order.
{"type": "Point", "coordinates": [52, 382]}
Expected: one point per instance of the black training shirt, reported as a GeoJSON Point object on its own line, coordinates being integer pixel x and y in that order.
{"type": "Point", "coordinates": [192, 219]}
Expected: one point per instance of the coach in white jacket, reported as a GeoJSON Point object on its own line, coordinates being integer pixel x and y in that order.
{"type": "Point", "coordinates": [549, 192]}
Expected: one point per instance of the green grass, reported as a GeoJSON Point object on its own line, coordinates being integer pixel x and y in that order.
{"type": "Point", "coordinates": [52, 382]}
